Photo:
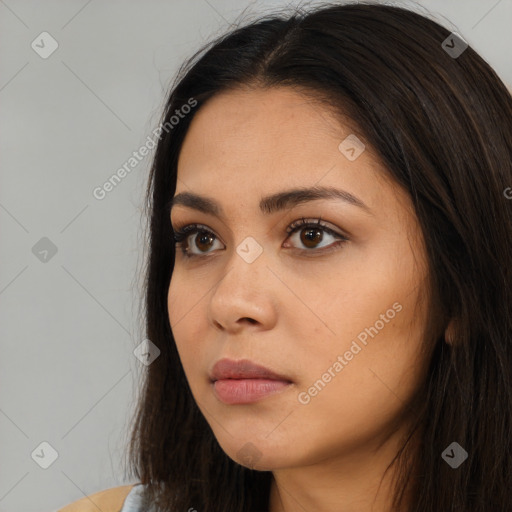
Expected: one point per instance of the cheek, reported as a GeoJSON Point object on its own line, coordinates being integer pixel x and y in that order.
{"type": "Point", "coordinates": [378, 336]}
{"type": "Point", "coordinates": [183, 300]}
{"type": "Point", "coordinates": [185, 318]}
{"type": "Point", "coordinates": [364, 399]}
{"type": "Point", "coordinates": [174, 300]}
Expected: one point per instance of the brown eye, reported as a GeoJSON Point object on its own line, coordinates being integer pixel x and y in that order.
{"type": "Point", "coordinates": [201, 244]}
{"type": "Point", "coordinates": [311, 236]}
{"type": "Point", "coordinates": [203, 240]}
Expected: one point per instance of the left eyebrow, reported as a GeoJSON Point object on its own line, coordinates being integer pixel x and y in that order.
{"type": "Point", "coordinates": [272, 203]}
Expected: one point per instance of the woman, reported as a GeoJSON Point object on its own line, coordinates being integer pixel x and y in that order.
{"type": "Point", "coordinates": [329, 278]}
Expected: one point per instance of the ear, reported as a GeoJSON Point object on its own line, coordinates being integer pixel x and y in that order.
{"type": "Point", "coordinates": [449, 333]}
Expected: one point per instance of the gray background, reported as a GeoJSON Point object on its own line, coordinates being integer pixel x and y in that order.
{"type": "Point", "coordinates": [69, 324]}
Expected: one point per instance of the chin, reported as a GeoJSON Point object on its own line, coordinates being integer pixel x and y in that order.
{"type": "Point", "coordinates": [257, 454]}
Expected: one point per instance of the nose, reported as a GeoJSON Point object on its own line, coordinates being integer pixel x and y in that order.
{"type": "Point", "coordinates": [245, 295]}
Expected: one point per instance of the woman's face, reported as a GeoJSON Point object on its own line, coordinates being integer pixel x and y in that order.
{"type": "Point", "coordinates": [336, 319]}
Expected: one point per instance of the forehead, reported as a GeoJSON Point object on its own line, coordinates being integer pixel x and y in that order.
{"type": "Point", "coordinates": [245, 143]}
{"type": "Point", "coordinates": [263, 124]}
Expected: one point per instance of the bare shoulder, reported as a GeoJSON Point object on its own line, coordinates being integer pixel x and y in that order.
{"type": "Point", "coordinates": [109, 500]}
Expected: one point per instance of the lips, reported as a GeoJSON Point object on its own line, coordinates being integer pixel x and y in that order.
{"type": "Point", "coordinates": [245, 382]}
{"type": "Point", "coordinates": [243, 369]}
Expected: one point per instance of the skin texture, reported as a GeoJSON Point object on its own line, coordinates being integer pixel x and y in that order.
{"type": "Point", "coordinates": [293, 312]}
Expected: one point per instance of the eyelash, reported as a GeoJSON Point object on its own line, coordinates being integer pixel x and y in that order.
{"type": "Point", "coordinates": [183, 232]}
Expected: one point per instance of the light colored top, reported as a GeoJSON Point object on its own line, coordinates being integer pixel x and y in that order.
{"type": "Point", "coordinates": [125, 498]}
{"type": "Point", "coordinates": [133, 502]}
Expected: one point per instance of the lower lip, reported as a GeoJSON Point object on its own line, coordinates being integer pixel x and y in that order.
{"type": "Point", "coordinates": [246, 391]}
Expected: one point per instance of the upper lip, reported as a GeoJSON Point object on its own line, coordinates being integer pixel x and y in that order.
{"type": "Point", "coordinates": [243, 369]}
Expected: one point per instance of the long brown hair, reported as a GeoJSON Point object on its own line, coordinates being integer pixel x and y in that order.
{"type": "Point", "coordinates": [442, 125]}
